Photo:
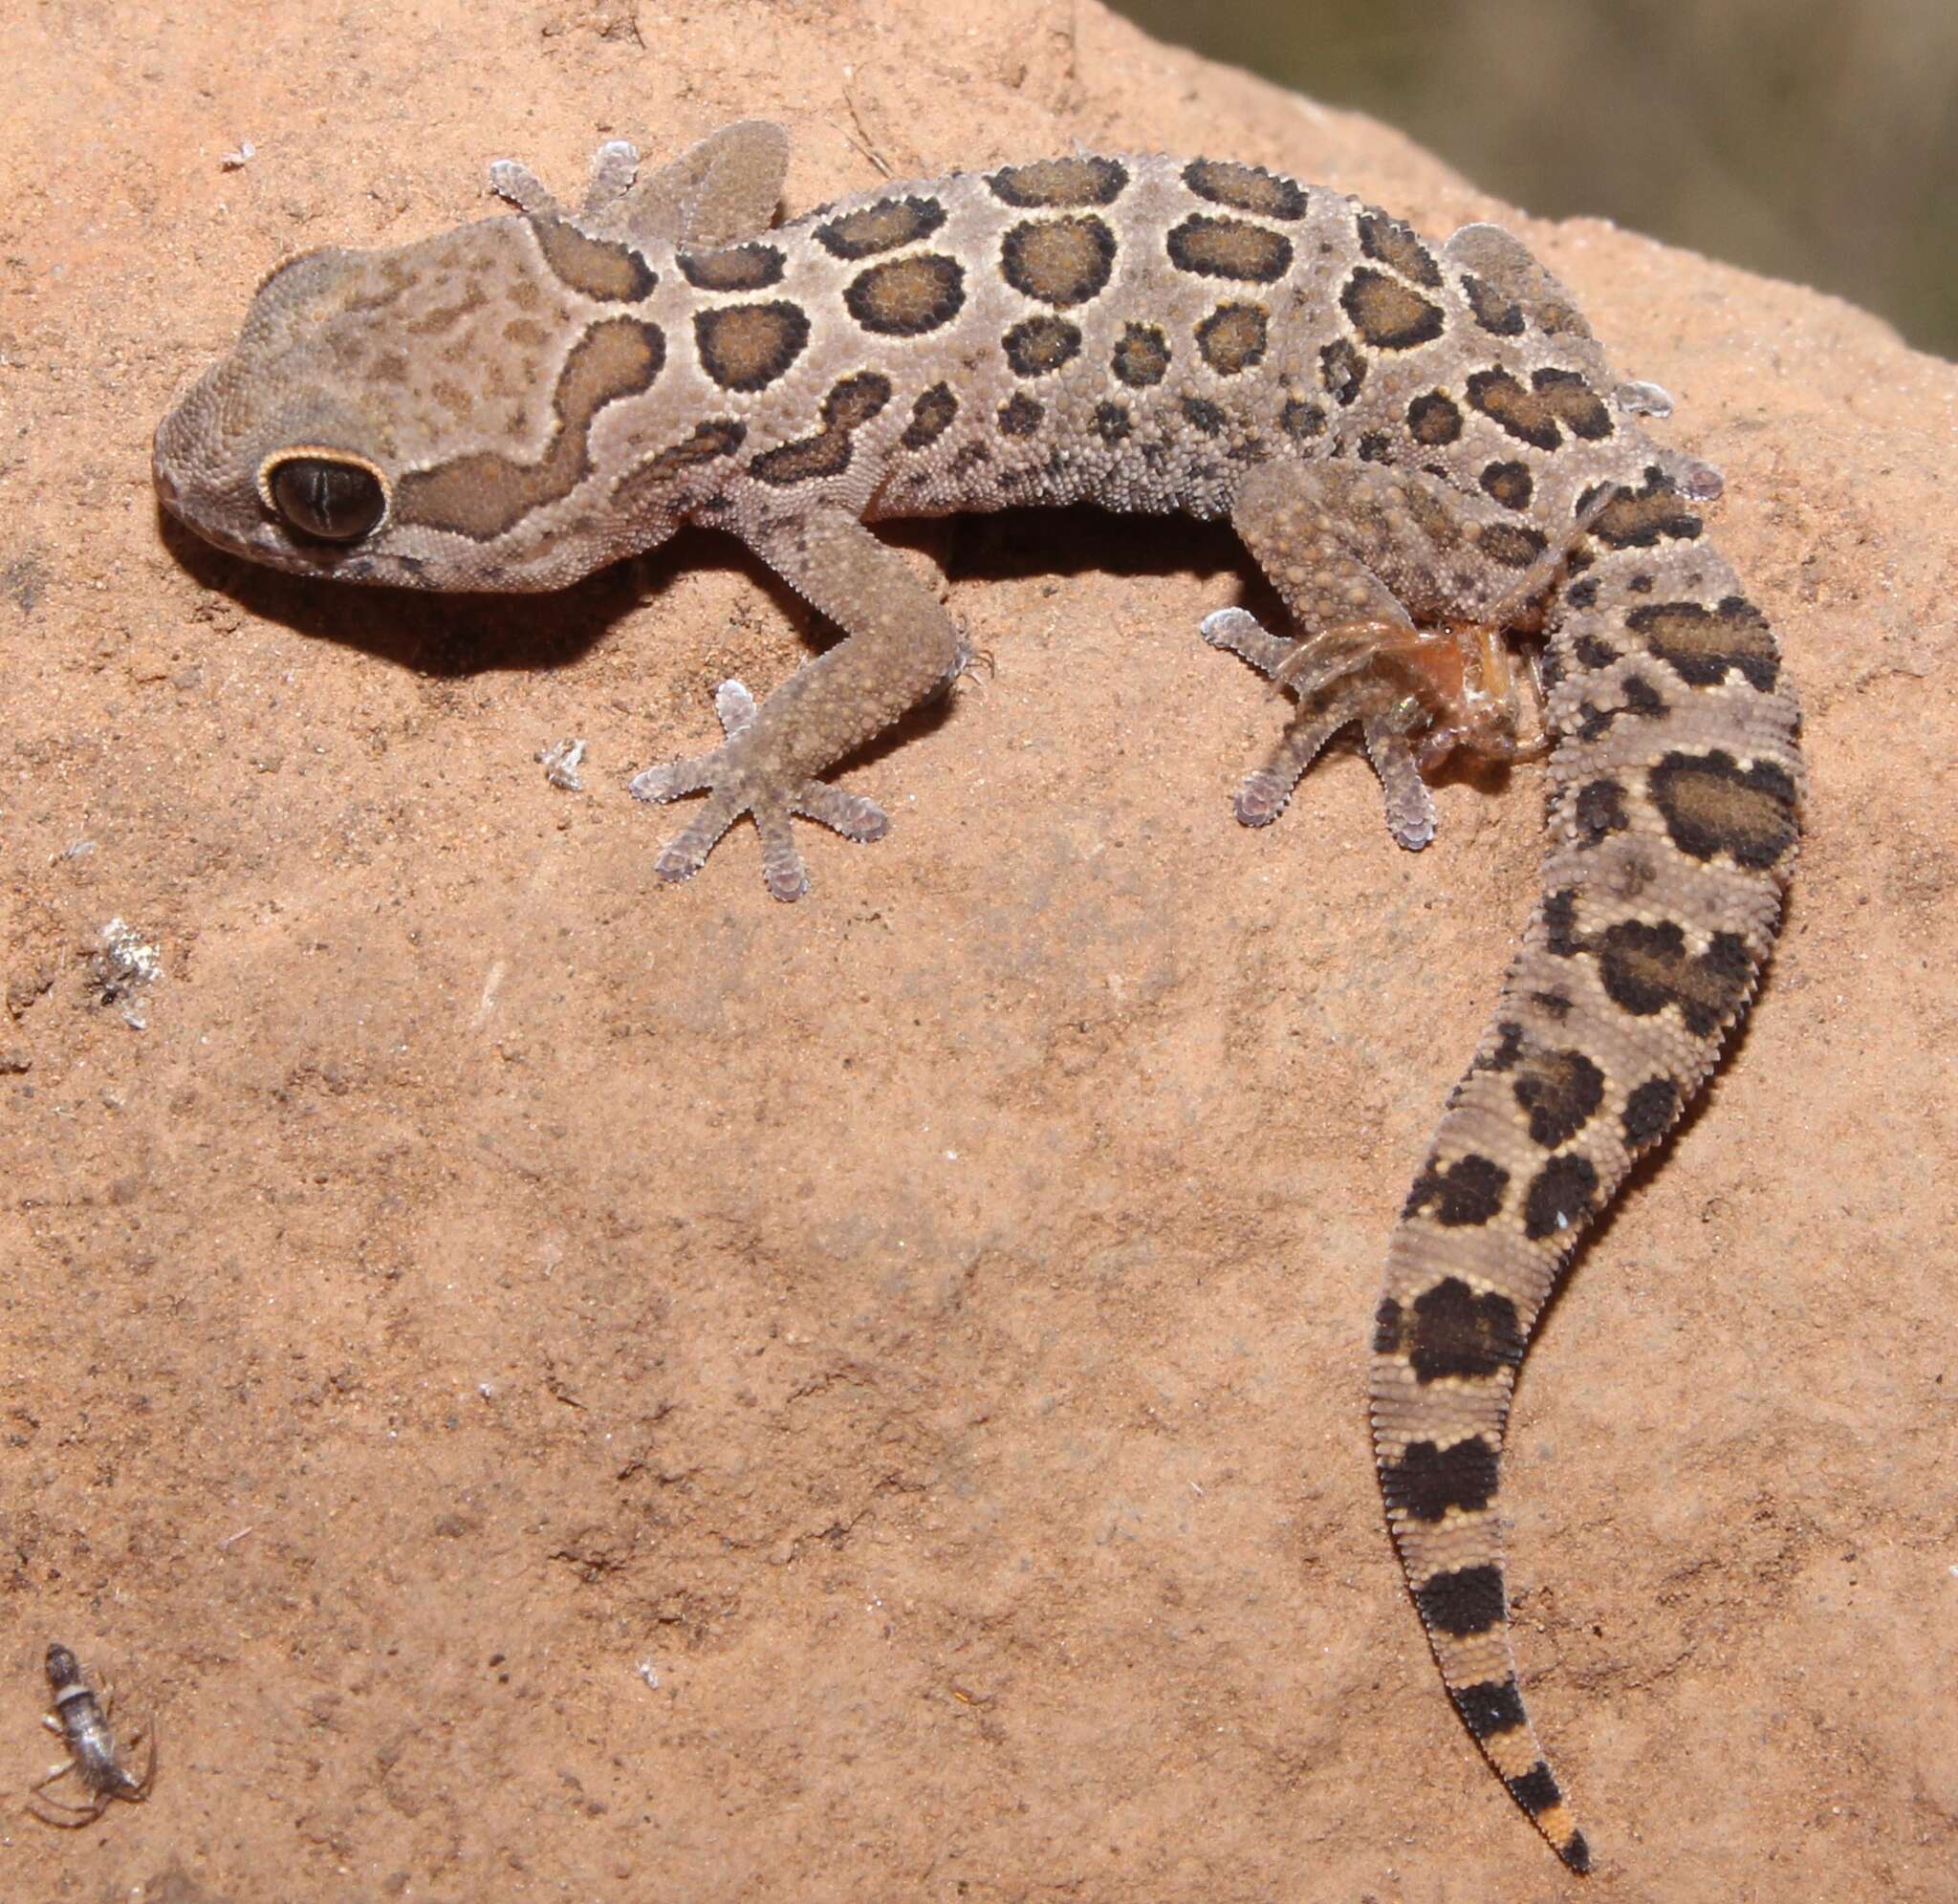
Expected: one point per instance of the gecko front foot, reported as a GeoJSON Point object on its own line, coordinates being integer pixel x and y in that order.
{"type": "Point", "coordinates": [736, 780]}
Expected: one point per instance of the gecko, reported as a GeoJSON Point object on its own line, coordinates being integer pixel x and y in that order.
{"type": "Point", "coordinates": [1421, 445]}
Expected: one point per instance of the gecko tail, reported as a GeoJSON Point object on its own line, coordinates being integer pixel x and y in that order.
{"type": "Point", "coordinates": [1441, 1498]}
{"type": "Point", "coordinates": [1674, 793]}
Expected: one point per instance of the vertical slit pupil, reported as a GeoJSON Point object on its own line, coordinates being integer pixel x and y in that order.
{"type": "Point", "coordinates": [332, 502]}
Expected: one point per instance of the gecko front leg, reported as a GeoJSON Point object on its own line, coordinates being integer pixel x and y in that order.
{"type": "Point", "coordinates": [901, 648]}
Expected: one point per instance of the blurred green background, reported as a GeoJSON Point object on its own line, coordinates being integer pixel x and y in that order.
{"type": "Point", "coordinates": [1812, 139]}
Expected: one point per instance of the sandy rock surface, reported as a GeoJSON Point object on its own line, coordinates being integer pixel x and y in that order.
{"type": "Point", "coordinates": [550, 1387]}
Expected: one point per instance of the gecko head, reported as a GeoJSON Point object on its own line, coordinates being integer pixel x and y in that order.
{"type": "Point", "coordinates": [447, 415]}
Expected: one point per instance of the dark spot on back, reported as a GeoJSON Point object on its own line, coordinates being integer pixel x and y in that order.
{"type": "Point", "coordinates": [1231, 339]}
{"type": "Point", "coordinates": [1493, 312]}
{"type": "Point", "coordinates": [1559, 1091]}
{"type": "Point", "coordinates": [1059, 261]}
{"type": "Point", "coordinates": [1142, 355]}
{"type": "Point", "coordinates": [1496, 1705]}
{"type": "Point", "coordinates": [882, 227]}
{"type": "Point", "coordinates": [1450, 1330]}
{"type": "Point", "coordinates": [1038, 345]}
{"type": "Point", "coordinates": [1512, 485]}
{"type": "Point", "coordinates": [1637, 518]}
{"type": "Point", "coordinates": [1386, 314]}
{"type": "Point", "coordinates": [1055, 183]}
{"type": "Point", "coordinates": [1512, 545]}
{"type": "Point", "coordinates": [597, 268]}
{"type": "Point", "coordinates": [1342, 370]}
{"type": "Point", "coordinates": [907, 297]}
{"type": "Point", "coordinates": [1228, 247]}
{"type": "Point", "coordinates": [747, 346]}
{"type": "Point", "coordinates": [1645, 969]}
{"type": "Point", "coordinates": [1112, 421]}
{"type": "Point", "coordinates": [1019, 416]}
{"type": "Point", "coordinates": [1535, 1790]}
{"type": "Point", "coordinates": [1302, 422]}
{"type": "Point", "coordinates": [1600, 810]}
{"type": "Point", "coordinates": [737, 268]}
{"type": "Point", "coordinates": [931, 416]}
{"type": "Point", "coordinates": [1203, 415]}
{"type": "Point", "coordinates": [1391, 243]}
{"type": "Point", "coordinates": [1244, 188]}
{"type": "Point", "coordinates": [1433, 420]}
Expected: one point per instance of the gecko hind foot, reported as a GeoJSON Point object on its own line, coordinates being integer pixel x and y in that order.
{"type": "Point", "coordinates": [736, 783]}
{"type": "Point", "coordinates": [1339, 686]}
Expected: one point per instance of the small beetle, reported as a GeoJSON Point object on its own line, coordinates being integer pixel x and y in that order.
{"type": "Point", "coordinates": [83, 1721]}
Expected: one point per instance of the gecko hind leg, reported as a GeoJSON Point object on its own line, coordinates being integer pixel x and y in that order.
{"type": "Point", "coordinates": [1399, 589]}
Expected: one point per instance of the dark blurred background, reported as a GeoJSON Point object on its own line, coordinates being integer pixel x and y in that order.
{"type": "Point", "coordinates": [1812, 139]}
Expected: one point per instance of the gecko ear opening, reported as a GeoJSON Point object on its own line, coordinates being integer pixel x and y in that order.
{"type": "Point", "coordinates": [324, 494]}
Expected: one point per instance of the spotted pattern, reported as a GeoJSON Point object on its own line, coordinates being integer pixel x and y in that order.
{"type": "Point", "coordinates": [1713, 806]}
{"type": "Point", "coordinates": [1342, 371]}
{"type": "Point", "coordinates": [1673, 777]}
{"type": "Point", "coordinates": [1142, 355]}
{"type": "Point", "coordinates": [651, 479]}
{"type": "Point", "coordinates": [1231, 339]}
{"type": "Point", "coordinates": [1204, 416]}
{"type": "Point", "coordinates": [1386, 314]}
{"type": "Point", "coordinates": [1112, 421]}
{"type": "Point", "coordinates": [1040, 345]}
{"type": "Point", "coordinates": [1510, 545]}
{"type": "Point", "coordinates": [1639, 518]}
{"type": "Point", "coordinates": [1058, 261]}
{"type": "Point", "coordinates": [1491, 1707]}
{"type": "Point", "coordinates": [1534, 412]}
{"type": "Point", "coordinates": [1433, 420]}
{"type": "Point", "coordinates": [485, 494]}
{"type": "Point", "coordinates": [1056, 184]}
{"type": "Point", "coordinates": [1246, 188]}
{"type": "Point", "coordinates": [1469, 1191]}
{"type": "Point", "coordinates": [734, 267]}
{"type": "Point", "coordinates": [1499, 316]}
{"type": "Point", "coordinates": [1228, 247]}
{"type": "Point", "coordinates": [1451, 1331]}
{"type": "Point", "coordinates": [1649, 1112]}
{"type": "Point", "coordinates": [1391, 243]}
{"type": "Point", "coordinates": [1600, 810]}
{"type": "Point", "coordinates": [1463, 1600]}
{"type": "Point", "coordinates": [850, 404]}
{"type": "Point", "coordinates": [1560, 1197]}
{"type": "Point", "coordinates": [907, 297]}
{"type": "Point", "coordinates": [1560, 1093]}
{"type": "Point", "coordinates": [1646, 969]}
{"type": "Point", "coordinates": [1703, 646]}
{"type": "Point", "coordinates": [933, 414]}
{"type": "Point", "coordinates": [1301, 421]}
{"type": "Point", "coordinates": [887, 225]}
{"type": "Point", "coordinates": [1019, 416]}
{"type": "Point", "coordinates": [1427, 1481]}
{"type": "Point", "coordinates": [1510, 484]}
{"type": "Point", "coordinates": [746, 347]}
{"type": "Point", "coordinates": [595, 268]}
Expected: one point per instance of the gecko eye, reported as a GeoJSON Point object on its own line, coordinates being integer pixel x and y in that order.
{"type": "Point", "coordinates": [325, 498]}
